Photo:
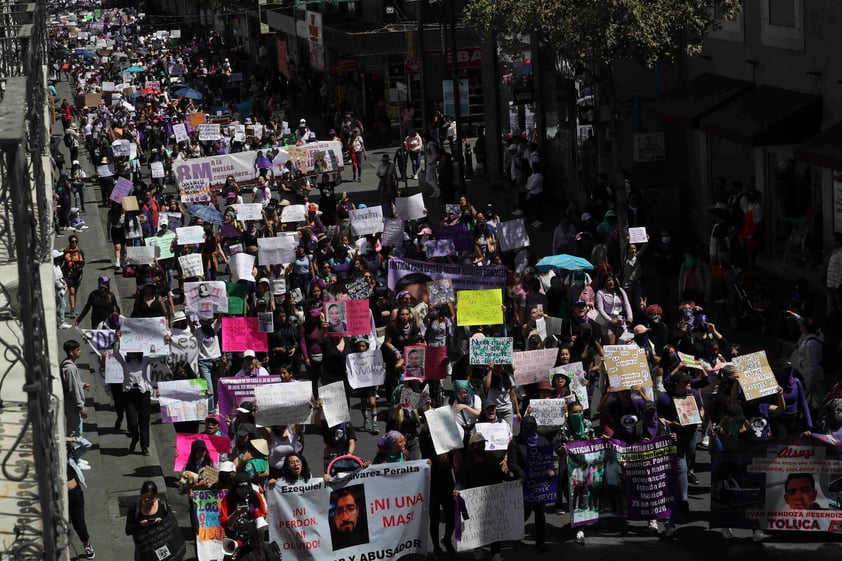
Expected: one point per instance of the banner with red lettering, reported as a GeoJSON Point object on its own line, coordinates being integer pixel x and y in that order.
{"type": "Point", "coordinates": [380, 512]}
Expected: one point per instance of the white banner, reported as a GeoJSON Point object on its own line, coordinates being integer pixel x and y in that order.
{"type": "Point", "coordinates": [249, 211]}
{"type": "Point", "coordinates": [365, 221]}
{"type": "Point", "coordinates": [190, 235]}
{"type": "Point", "coordinates": [280, 249]}
{"type": "Point", "coordinates": [548, 412]}
{"type": "Point", "coordinates": [194, 191]}
{"type": "Point", "coordinates": [532, 366]}
{"type": "Point", "coordinates": [114, 372]}
{"type": "Point", "coordinates": [392, 232]}
{"type": "Point", "coordinates": [495, 514]}
{"type": "Point", "coordinates": [191, 265]}
{"type": "Point", "coordinates": [446, 434]}
{"type": "Point", "coordinates": [205, 298]}
{"type": "Point", "coordinates": [183, 400]}
{"type": "Point", "coordinates": [380, 512]}
{"type": "Point", "coordinates": [638, 235]}
{"type": "Point", "coordinates": [497, 435]}
{"type": "Point", "coordinates": [209, 132]}
{"type": "Point", "coordinates": [365, 370]}
{"type": "Point", "coordinates": [334, 403]}
{"type": "Point", "coordinates": [121, 148]}
{"type": "Point", "coordinates": [284, 404]}
{"type": "Point", "coordinates": [512, 235]}
{"type": "Point", "coordinates": [143, 335]}
{"type": "Point", "coordinates": [140, 255]}
{"type": "Point", "coordinates": [411, 208]}
{"type": "Point", "coordinates": [294, 213]}
{"type": "Point", "coordinates": [242, 265]}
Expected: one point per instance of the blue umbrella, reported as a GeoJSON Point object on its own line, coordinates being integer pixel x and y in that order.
{"type": "Point", "coordinates": [563, 261]}
{"type": "Point", "coordinates": [189, 93]}
{"type": "Point", "coordinates": [86, 54]}
{"type": "Point", "coordinates": [134, 69]}
{"type": "Point", "coordinates": [206, 213]}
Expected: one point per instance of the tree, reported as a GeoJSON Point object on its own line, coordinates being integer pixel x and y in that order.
{"type": "Point", "coordinates": [593, 35]}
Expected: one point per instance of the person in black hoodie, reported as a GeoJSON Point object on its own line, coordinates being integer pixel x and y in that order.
{"type": "Point", "coordinates": [518, 457]}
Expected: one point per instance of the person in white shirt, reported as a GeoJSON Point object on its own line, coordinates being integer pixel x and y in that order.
{"type": "Point", "coordinates": [61, 289]}
{"type": "Point", "coordinates": [262, 193]}
{"type": "Point", "coordinates": [535, 194]}
{"type": "Point", "coordinates": [251, 367]}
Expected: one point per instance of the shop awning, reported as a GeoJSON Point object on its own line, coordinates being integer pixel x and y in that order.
{"type": "Point", "coordinates": [687, 104]}
{"type": "Point", "coordinates": [766, 116]}
{"type": "Point", "coordinates": [824, 149]}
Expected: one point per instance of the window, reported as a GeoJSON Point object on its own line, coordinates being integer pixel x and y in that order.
{"type": "Point", "coordinates": [782, 24]}
{"type": "Point", "coordinates": [729, 29]}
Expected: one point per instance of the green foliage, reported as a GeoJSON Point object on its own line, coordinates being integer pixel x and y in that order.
{"type": "Point", "coordinates": [610, 30]}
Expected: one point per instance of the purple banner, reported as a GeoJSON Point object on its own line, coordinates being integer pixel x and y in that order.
{"type": "Point", "coordinates": [231, 392]}
{"type": "Point", "coordinates": [540, 487]}
{"type": "Point", "coordinates": [407, 274]}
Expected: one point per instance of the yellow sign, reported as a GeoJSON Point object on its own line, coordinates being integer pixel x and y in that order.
{"type": "Point", "coordinates": [479, 307]}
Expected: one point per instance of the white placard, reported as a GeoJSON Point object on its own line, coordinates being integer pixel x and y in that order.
{"type": "Point", "coordinates": [183, 400]}
{"type": "Point", "coordinates": [281, 249]}
{"type": "Point", "coordinates": [121, 148]}
{"type": "Point", "coordinates": [143, 335]}
{"type": "Point", "coordinates": [365, 370]}
{"type": "Point", "coordinates": [512, 234]}
{"type": "Point", "coordinates": [283, 404]}
{"type": "Point", "coordinates": [533, 366]}
{"type": "Point", "coordinates": [265, 322]}
{"type": "Point", "coordinates": [114, 372]}
{"type": "Point", "coordinates": [294, 213]}
{"type": "Point", "coordinates": [104, 171]}
{"type": "Point", "coordinates": [548, 412]}
{"type": "Point", "coordinates": [157, 169]}
{"type": "Point", "coordinates": [208, 132]}
{"type": "Point", "coordinates": [140, 255]}
{"type": "Point", "coordinates": [497, 435]}
{"type": "Point", "coordinates": [191, 265]}
{"type": "Point", "coordinates": [241, 265]}
{"type": "Point", "coordinates": [180, 132]}
{"type": "Point", "coordinates": [495, 514]}
{"type": "Point", "coordinates": [366, 221]}
{"type": "Point", "coordinates": [334, 403]}
{"type": "Point", "coordinates": [411, 208]}
{"type": "Point", "coordinates": [189, 235]}
{"type": "Point", "coordinates": [638, 235]}
{"type": "Point", "coordinates": [446, 434]}
{"type": "Point", "coordinates": [249, 211]}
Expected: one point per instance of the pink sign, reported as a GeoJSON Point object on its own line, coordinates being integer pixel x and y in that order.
{"type": "Point", "coordinates": [347, 317]}
{"type": "Point", "coordinates": [216, 445]}
{"type": "Point", "coordinates": [240, 334]}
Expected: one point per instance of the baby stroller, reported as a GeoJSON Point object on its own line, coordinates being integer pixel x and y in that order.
{"type": "Point", "coordinates": [748, 298]}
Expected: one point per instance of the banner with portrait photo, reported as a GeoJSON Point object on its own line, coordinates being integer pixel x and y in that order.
{"type": "Point", "coordinates": [347, 317]}
{"type": "Point", "coordinates": [381, 512]}
{"type": "Point", "coordinates": [512, 234]}
{"type": "Point", "coordinates": [441, 292]}
{"type": "Point", "coordinates": [206, 298]}
{"type": "Point", "coordinates": [411, 275]}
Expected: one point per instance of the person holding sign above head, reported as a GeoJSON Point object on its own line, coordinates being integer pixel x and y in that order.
{"type": "Point", "coordinates": [499, 385]}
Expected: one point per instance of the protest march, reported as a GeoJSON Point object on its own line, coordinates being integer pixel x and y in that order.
{"type": "Point", "coordinates": [260, 305]}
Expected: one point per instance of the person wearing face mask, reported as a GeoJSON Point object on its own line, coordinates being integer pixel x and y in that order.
{"type": "Point", "coordinates": [519, 455]}
{"type": "Point", "coordinates": [576, 428]}
{"type": "Point", "coordinates": [694, 279]}
{"type": "Point", "coordinates": [658, 329]}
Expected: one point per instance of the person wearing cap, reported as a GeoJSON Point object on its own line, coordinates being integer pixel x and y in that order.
{"type": "Point", "coordinates": [302, 133]}
{"type": "Point", "coordinates": [212, 425]}
{"type": "Point", "coordinates": [101, 303]}
{"type": "Point", "coordinates": [251, 366]}
{"type": "Point", "coordinates": [261, 299]}
{"type": "Point", "coordinates": [227, 472]}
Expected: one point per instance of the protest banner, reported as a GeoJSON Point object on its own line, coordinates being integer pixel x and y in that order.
{"type": "Point", "coordinates": [539, 487]}
{"type": "Point", "coordinates": [183, 442]}
{"type": "Point", "coordinates": [143, 335]}
{"type": "Point", "coordinates": [441, 292]}
{"type": "Point", "coordinates": [495, 350]}
{"type": "Point", "coordinates": [93, 99]}
{"type": "Point", "coordinates": [548, 412]}
{"type": "Point", "coordinates": [294, 213]}
{"type": "Point", "coordinates": [392, 517]}
{"type": "Point", "coordinates": [159, 542]}
{"type": "Point", "coordinates": [192, 191]}
{"type": "Point", "coordinates": [190, 235]}
{"type": "Point", "coordinates": [755, 376]}
{"type": "Point", "coordinates": [183, 400]}
{"type": "Point", "coordinates": [413, 357]}
{"type": "Point", "coordinates": [687, 410]}
{"type": "Point", "coordinates": [195, 119]}
{"type": "Point", "coordinates": [241, 334]}
{"type": "Point", "coordinates": [410, 399]}
{"type": "Point", "coordinates": [249, 211]}
{"type": "Point", "coordinates": [365, 221]}
{"type": "Point", "coordinates": [532, 366]}
{"type": "Point", "coordinates": [334, 403]}
{"type": "Point", "coordinates": [184, 349]}
{"type": "Point", "coordinates": [347, 317]}
{"type": "Point", "coordinates": [494, 514]}
{"type": "Point", "coordinates": [272, 251]}
{"type": "Point", "coordinates": [231, 392]}
{"type": "Point", "coordinates": [497, 435]}
{"type": "Point", "coordinates": [122, 188]}
{"type": "Point", "coordinates": [464, 277]}
{"type": "Point", "coordinates": [435, 363]}
{"type": "Point", "coordinates": [157, 169]}
{"type": "Point", "coordinates": [626, 367]}
{"type": "Point", "coordinates": [411, 208]}
{"type": "Point", "coordinates": [242, 267]}
{"type": "Point", "coordinates": [359, 289]}
{"type": "Point", "coordinates": [209, 132]}
{"type": "Point", "coordinates": [577, 375]}
{"type": "Point", "coordinates": [278, 286]}
{"type": "Point", "coordinates": [512, 234]}
{"type": "Point", "coordinates": [140, 255]}
{"type": "Point", "coordinates": [446, 434]}
{"type": "Point", "coordinates": [365, 370]}
{"type": "Point", "coordinates": [114, 372]}
{"type": "Point", "coordinates": [439, 248]}
{"type": "Point", "coordinates": [458, 233]}
{"type": "Point", "coordinates": [323, 156]}
{"type": "Point", "coordinates": [284, 404]}
{"type": "Point", "coordinates": [638, 235]}
{"type": "Point", "coordinates": [180, 132]}
{"type": "Point", "coordinates": [266, 322]}
{"type": "Point", "coordinates": [205, 298]}
{"type": "Point", "coordinates": [690, 361]}
{"type": "Point", "coordinates": [162, 244]}
{"type": "Point", "coordinates": [210, 534]}
{"type": "Point", "coordinates": [99, 340]}
{"type": "Point", "coordinates": [158, 367]}
{"type": "Point", "coordinates": [392, 232]}
{"type": "Point", "coordinates": [121, 148]}
{"type": "Point", "coordinates": [638, 479]}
